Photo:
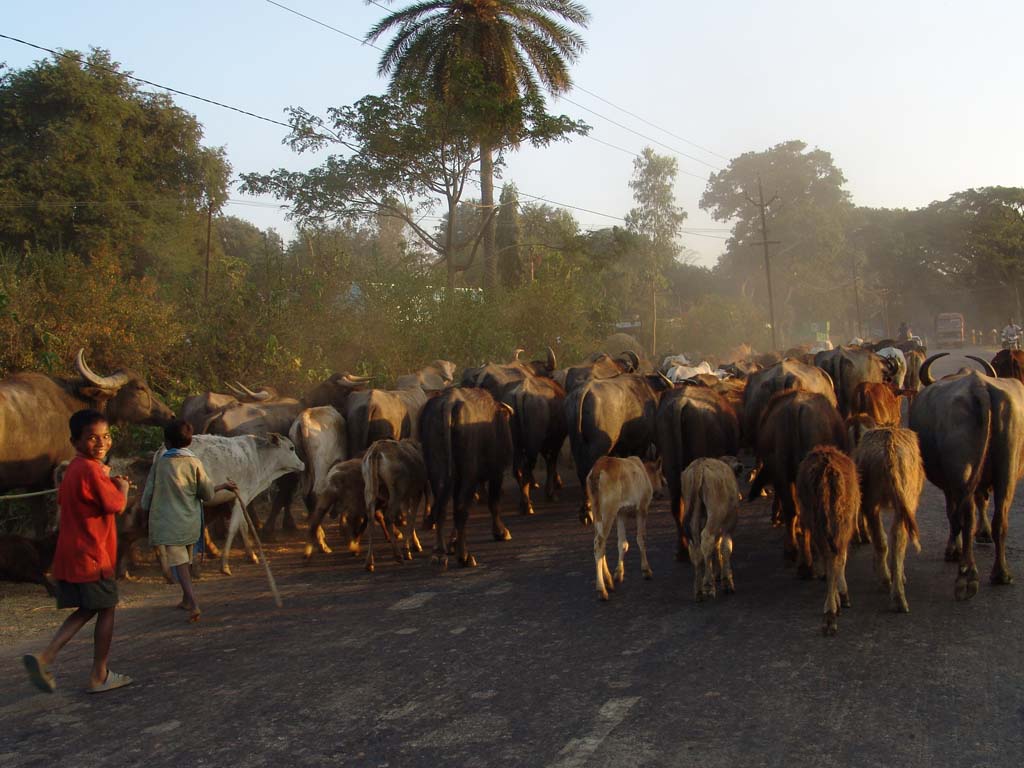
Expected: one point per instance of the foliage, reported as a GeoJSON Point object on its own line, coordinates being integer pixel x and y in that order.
{"type": "Point", "coordinates": [88, 161]}
{"type": "Point", "coordinates": [714, 325]}
{"type": "Point", "coordinates": [508, 235]}
{"type": "Point", "coordinates": [808, 214]}
{"type": "Point", "coordinates": [489, 59]}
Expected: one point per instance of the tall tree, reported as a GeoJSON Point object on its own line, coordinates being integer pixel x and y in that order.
{"type": "Point", "coordinates": [807, 212]}
{"type": "Point", "coordinates": [657, 220]}
{"type": "Point", "coordinates": [508, 237]}
{"type": "Point", "coordinates": [89, 161]}
{"type": "Point", "coordinates": [488, 57]}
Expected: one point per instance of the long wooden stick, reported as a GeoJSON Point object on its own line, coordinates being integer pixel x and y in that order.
{"type": "Point", "coordinates": [259, 547]}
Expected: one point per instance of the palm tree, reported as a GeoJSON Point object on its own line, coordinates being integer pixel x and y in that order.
{"type": "Point", "coordinates": [515, 47]}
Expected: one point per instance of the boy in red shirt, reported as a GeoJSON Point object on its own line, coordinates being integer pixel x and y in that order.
{"type": "Point", "coordinates": [84, 563]}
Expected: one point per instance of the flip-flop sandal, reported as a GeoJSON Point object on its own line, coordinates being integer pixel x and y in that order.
{"type": "Point", "coordinates": [193, 617]}
{"type": "Point", "coordinates": [114, 680]}
{"type": "Point", "coordinates": [39, 674]}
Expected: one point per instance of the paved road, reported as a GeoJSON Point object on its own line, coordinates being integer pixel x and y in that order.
{"type": "Point", "coordinates": [517, 663]}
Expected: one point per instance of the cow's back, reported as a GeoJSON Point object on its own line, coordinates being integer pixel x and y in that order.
{"type": "Point", "coordinates": [34, 437]}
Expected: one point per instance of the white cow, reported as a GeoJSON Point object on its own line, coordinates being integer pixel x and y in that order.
{"type": "Point", "coordinates": [899, 362]}
{"type": "Point", "coordinates": [673, 360]}
{"type": "Point", "coordinates": [679, 373]}
{"type": "Point", "coordinates": [252, 462]}
{"type": "Point", "coordinates": [320, 441]}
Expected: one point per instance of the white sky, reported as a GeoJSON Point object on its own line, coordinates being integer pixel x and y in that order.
{"type": "Point", "coordinates": [915, 99]}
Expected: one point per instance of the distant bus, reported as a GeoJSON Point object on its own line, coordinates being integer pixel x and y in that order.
{"type": "Point", "coordinates": [949, 330]}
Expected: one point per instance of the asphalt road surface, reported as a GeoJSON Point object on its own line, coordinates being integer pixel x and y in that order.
{"type": "Point", "coordinates": [517, 663]}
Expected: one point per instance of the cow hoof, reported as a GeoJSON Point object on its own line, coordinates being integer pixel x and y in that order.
{"type": "Point", "coordinates": [254, 560]}
{"type": "Point", "coordinates": [844, 600]}
{"type": "Point", "coordinates": [1001, 578]}
{"type": "Point", "coordinates": [728, 587]}
{"type": "Point", "coordinates": [369, 567]}
{"type": "Point", "coordinates": [307, 553]}
{"type": "Point", "coordinates": [503, 535]}
{"type": "Point", "coordinates": [467, 562]}
{"type": "Point", "coordinates": [525, 511]}
{"type": "Point", "coordinates": [899, 605]}
{"type": "Point", "coordinates": [983, 537]}
{"type": "Point", "coordinates": [586, 518]}
{"type": "Point", "coordinates": [952, 555]}
{"type": "Point", "coordinates": [408, 555]}
{"type": "Point", "coordinates": [830, 625]}
{"type": "Point", "coordinates": [602, 596]}
{"type": "Point", "coordinates": [648, 574]}
{"type": "Point", "coordinates": [441, 561]}
{"type": "Point", "coordinates": [451, 547]}
{"type": "Point", "coordinates": [226, 570]}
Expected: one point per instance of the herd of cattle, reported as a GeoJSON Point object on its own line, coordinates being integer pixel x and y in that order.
{"type": "Point", "coordinates": [824, 431]}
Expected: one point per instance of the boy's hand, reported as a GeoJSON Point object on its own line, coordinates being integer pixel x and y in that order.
{"type": "Point", "coordinates": [123, 483]}
{"type": "Point", "coordinates": [228, 486]}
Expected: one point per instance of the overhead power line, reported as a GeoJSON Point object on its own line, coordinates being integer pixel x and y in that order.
{"type": "Point", "coordinates": [65, 55]}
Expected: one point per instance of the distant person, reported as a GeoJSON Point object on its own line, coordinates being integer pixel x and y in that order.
{"type": "Point", "coordinates": [904, 332]}
{"type": "Point", "coordinates": [86, 555]}
{"type": "Point", "coordinates": [1011, 335]}
{"type": "Point", "coordinates": [175, 491]}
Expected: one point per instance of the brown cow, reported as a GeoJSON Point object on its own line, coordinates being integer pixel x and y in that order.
{"type": "Point", "coordinates": [891, 475]}
{"type": "Point", "coordinates": [829, 504]}
{"type": "Point", "coordinates": [343, 496]}
{"type": "Point", "coordinates": [394, 470]}
{"type": "Point", "coordinates": [26, 560]}
{"type": "Point", "coordinates": [793, 424]}
{"type": "Point", "coordinates": [1009, 364]}
{"type": "Point", "coordinates": [877, 401]}
{"type": "Point", "coordinates": [617, 489]}
{"type": "Point", "coordinates": [712, 500]}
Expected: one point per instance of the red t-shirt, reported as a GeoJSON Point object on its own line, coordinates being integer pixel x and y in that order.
{"type": "Point", "coordinates": [87, 537]}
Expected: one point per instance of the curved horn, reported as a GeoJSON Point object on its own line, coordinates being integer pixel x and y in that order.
{"type": "Point", "coordinates": [667, 380]}
{"type": "Point", "coordinates": [233, 388]}
{"type": "Point", "coordinates": [633, 359]}
{"type": "Point", "coordinates": [925, 373]}
{"type": "Point", "coordinates": [985, 364]}
{"type": "Point", "coordinates": [356, 379]}
{"type": "Point", "coordinates": [552, 362]}
{"type": "Point", "coordinates": [516, 353]}
{"type": "Point", "coordinates": [258, 396]}
{"type": "Point", "coordinates": [114, 382]}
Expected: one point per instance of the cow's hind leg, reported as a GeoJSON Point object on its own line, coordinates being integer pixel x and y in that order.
{"type": "Point", "coordinates": [498, 529]}
{"type": "Point", "coordinates": [641, 542]}
{"type": "Point", "coordinates": [879, 543]}
{"type": "Point", "coordinates": [620, 569]}
{"type": "Point", "coordinates": [316, 535]}
{"type": "Point", "coordinates": [728, 583]}
{"type": "Point", "coordinates": [211, 548]}
{"type": "Point", "coordinates": [829, 625]}
{"type": "Point", "coordinates": [953, 548]}
{"type": "Point", "coordinates": [522, 474]}
{"type": "Point", "coordinates": [554, 482]}
{"type": "Point", "coordinates": [438, 510]}
{"type": "Point", "coordinates": [708, 555]}
{"type": "Point", "coordinates": [841, 587]}
{"type": "Point", "coordinates": [1000, 528]}
{"type": "Point", "coordinates": [984, 532]}
{"type": "Point", "coordinates": [603, 583]}
{"type": "Point", "coordinates": [967, 576]}
{"type": "Point", "coordinates": [460, 515]}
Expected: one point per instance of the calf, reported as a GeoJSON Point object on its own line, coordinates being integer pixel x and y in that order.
{"type": "Point", "coordinates": [342, 493]}
{"type": "Point", "coordinates": [26, 560]}
{"type": "Point", "coordinates": [891, 475]}
{"type": "Point", "coordinates": [711, 498]}
{"type": "Point", "coordinates": [394, 470]}
{"type": "Point", "coordinates": [616, 489]}
{"type": "Point", "coordinates": [829, 498]}
{"type": "Point", "coordinates": [878, 402]}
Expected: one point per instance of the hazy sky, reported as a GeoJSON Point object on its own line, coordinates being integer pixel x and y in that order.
{"type": "Point", "coordinates": [914, 99]}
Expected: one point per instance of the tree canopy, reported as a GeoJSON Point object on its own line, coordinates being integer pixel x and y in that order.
{"type": "Point", "coordinates": [89, 161]}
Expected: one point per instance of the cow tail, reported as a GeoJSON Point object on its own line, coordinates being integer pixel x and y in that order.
{"type": "Point", "coordinates": [831, 493]}
{"type": "Point", "coordinates": [676, 420]}
{"type": "Point", "coordinates": [519, 420]}
{"type": "Point", "coordinates": [579, 410]}
{"type": "Point", "coordinates": [593, 494]}
{"type": "Point", "coordinates": [694, 505]}
{"type": "Point", "coordinates": [371, 481]}
{"type": "Point", "coordinates": [448, 417]}
{"type": "Point", "coordinates": [360, 431]}
{"type": "Point", "coordinates": [986, 423]}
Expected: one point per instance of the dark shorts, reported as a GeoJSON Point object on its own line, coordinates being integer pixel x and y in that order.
{"type": "Point", "coordinates": [91, 595]}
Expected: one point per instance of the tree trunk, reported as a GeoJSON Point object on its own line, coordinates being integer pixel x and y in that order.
{"type": "Point", "coordinates": [654, 319]}
{"type": "Point", "coordinates": [490, 271]}
{"type": "Point", "coordinates": [449, 248]}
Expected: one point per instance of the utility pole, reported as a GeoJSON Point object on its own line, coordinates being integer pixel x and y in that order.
{"type": "Point", "coordinates": [209, 229]}
{"type": "Point", "coordinates": [765, 242]}
{"type": "Point", "coordinates": [856, 298]}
